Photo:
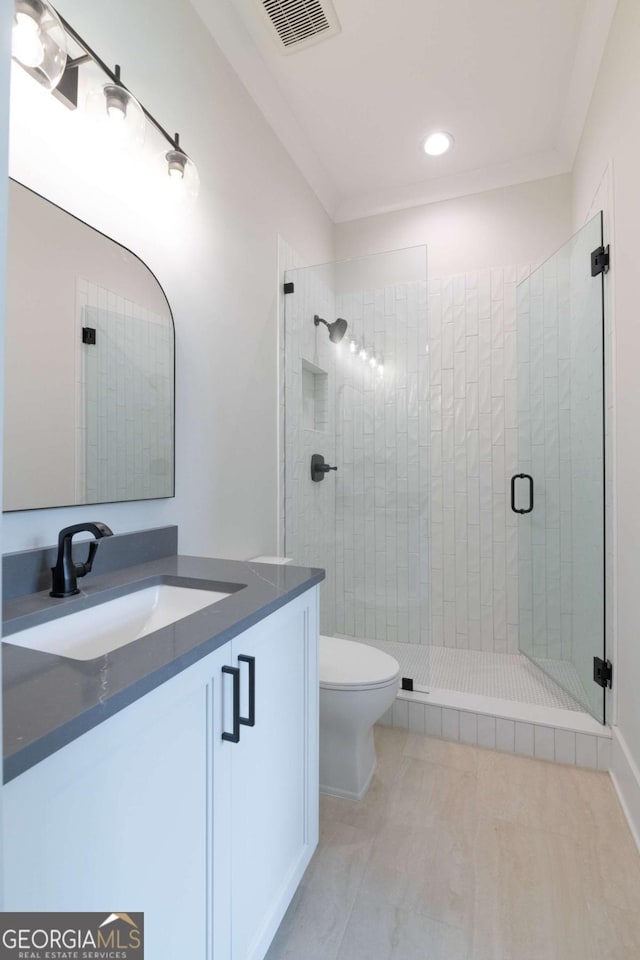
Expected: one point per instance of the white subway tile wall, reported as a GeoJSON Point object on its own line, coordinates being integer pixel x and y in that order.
{"type": "Point", "coordinates": [368, 523]}
{"type": "Point", "coordinates": [424, 451]}
{"type": "Point", "coordinates": [540, 740]}
{"type": "Point", "coordinates": [474, 450]}
{"type": "Point", "coordinates": [382, 451]}
{"type": "Point", "coordinates": [125, 388]}
{"type": "Point", "coordinates": [544, 442]}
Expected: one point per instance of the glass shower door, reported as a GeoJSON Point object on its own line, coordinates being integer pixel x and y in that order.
{"type": "Point", "coordinates": [558, 492]}
{"type": "Point", "coordinates": [363, 403]}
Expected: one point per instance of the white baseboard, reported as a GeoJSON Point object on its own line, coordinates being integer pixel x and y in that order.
{"type": "Point", "coordinates": [626, 780]}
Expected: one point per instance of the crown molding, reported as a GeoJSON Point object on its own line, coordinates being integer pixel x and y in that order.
{"type": "Point", "coordinates": [536, 167]}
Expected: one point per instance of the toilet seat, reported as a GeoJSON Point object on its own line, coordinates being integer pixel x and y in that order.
{"type": "Point", "coordinates": [347, 665]}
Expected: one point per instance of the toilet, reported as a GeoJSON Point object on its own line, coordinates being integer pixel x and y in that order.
{"type": "Point", "coordinates": [358, 684]}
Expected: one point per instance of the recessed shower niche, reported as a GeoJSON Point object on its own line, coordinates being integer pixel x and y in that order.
{"type": "Point", "coordinates": [315, 397]}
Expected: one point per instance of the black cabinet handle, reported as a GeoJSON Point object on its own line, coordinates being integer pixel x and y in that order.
{"type": "Point", "coordinates": [250, 721]}
{"type": "Point", "coordinates": [521, 476]}
{"type": "Point", "coordinates": [235, 736]}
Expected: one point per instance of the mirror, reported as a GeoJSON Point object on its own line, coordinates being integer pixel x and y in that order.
{"type": "Point", "coordinates": [89, 375]}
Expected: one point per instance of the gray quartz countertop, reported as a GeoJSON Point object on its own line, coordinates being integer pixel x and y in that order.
{"type": "Point", "coordinates": [50, 700]}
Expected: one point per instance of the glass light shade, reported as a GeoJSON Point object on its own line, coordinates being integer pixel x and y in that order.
{"type": "Point", "coordinates": [117, 114]}
{"type": "Point", "coordinates": [39, 43]}
{"type": "Point", "coordinates": [182, 174]}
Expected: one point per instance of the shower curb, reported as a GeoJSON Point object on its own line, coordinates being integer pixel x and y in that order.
{"type": "Point", "coordinates": [568, 737]}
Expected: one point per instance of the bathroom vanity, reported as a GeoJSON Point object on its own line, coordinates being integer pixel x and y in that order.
{"type": "Point", "coordinates": [175, 775]}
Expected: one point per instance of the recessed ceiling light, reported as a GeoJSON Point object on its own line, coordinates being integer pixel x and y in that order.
{"type": "Point", "coordinates": [438, 143]}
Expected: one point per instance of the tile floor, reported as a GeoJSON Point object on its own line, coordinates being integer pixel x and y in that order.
{"type": "Point", "coordinates": [460, 853]}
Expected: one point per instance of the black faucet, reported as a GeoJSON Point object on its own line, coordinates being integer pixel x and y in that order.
{"type": "Point", "coordinates": [65, 573]}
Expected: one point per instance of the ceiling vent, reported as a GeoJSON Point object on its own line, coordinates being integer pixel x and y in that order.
{"type": "Point", "coordinates": [300, 23]}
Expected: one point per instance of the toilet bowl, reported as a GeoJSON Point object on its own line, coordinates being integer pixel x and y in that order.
{"type": "Point", "coordinates": [358, 684]}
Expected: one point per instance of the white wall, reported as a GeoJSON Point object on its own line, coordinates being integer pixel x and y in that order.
{"type": "Point", "coordinates": [521, 224]}
{"type": "Point", "coordinates": [606, 168]}
{"type": "Point", "coordinates": [217, 262]}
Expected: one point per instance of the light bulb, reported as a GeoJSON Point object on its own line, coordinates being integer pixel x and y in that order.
{"type": "Point", "coordinates": [116, 99]}
{"type": "Point", "coordinates": [27, 45]}
{"type": "Point", "coordinates": [363, 354]}
{"type": "Point", "coordinates": [176, 164]}
{"type": "Point", "coordinates": [353, 346]}
{"type": "Point", "coordinates": [117, 116]}
{"type": "Point", "coordinates": [438, 143]}
{"type": "Point", "coordinates": [182, 173]}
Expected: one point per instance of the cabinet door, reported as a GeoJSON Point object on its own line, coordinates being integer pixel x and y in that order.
{"type": "Point", "coordinates": [274, 816]}
{"type": "Point", "coordinates": [119, 820]}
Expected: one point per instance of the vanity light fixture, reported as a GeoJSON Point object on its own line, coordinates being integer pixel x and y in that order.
{"type": "Point", "coordinates": [40, 38]}
{"type": "Point", "coordinates": [38, 41]}
{"type": "Point", "coordinates": [438, 143]}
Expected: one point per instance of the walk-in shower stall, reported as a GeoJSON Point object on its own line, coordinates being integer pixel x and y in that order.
{"type": "Point", "coordinates": [463, 529]}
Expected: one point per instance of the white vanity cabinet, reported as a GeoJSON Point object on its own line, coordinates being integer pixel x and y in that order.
{"type": "Point", "coordinates": [153, 810]}
{"type": "Point", "coordinates": [267, 800]}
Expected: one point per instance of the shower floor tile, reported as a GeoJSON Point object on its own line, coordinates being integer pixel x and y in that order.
{"type": "Point", "coordinates": [509, 676]}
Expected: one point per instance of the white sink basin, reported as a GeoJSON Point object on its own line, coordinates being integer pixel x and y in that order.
{"type": "Point", "coordinates": [91, 633]}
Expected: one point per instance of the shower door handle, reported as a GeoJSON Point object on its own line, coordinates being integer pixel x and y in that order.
{"type": "Point", "coordinates": [521, 476]}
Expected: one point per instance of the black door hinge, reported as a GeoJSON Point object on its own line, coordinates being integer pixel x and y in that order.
{"type": "Point", "coordinates": [288, 288]}
{"type": "Point", "coordinates": [89, 335]}
{"type": "Point", "coordinates": [600, 261]}
{"type": "Point", "coordinates": [602, 672]}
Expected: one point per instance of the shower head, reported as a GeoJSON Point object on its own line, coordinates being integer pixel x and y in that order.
{"type": "Point", "coordinates": [337, 329]}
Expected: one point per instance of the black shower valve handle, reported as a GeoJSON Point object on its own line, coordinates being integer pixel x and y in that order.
{"type": "Point", "coordinates": [319, 467]}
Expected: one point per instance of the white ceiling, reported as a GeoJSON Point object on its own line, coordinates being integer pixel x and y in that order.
{"type": "Point", "coordinates": [510, 79]}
